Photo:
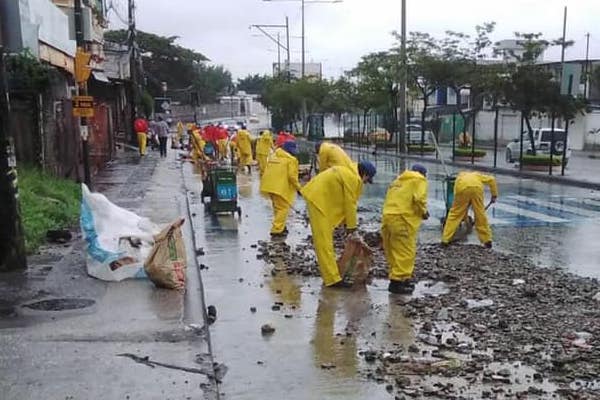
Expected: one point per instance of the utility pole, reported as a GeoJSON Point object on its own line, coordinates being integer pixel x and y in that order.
{"type": "Point", "coordinates": [287, 39]}
{"type": "Point", "coordinates": [133, 61]}
{"type": "Point", "coordinates": [402, 87]}
{"type": "Point", "coordinates": [82, 91]}
{"type": "Point", "coordinates": [12, 243]}
{"type": "Point", "coordinates": [587, 65]}
{"type": "Point", "coordinates": [278, 56]}
{"type": "Point", "coordinates": [303, 55]}
{"type": "Point", "coordinates": [562, 71]}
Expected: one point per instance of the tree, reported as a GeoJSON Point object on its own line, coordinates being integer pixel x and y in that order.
{"type": "Point", "coordinates": [254, 84]}
{"type": "Point", "coordinates": [532, 89]}
{"type": "Point", "coordinates": [376, 78]}
{"type": "Point", "coordinates": [179, 67]}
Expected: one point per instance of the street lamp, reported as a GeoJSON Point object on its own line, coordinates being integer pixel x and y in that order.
{"type": "Point", "coordinates": [303, 36]}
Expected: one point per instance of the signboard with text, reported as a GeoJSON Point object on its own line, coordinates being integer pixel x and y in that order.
{"type": "Point", "coordinates": [83, 106]}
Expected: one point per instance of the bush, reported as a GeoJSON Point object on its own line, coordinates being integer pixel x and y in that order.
{"type": "Point", "coordinates": [416, 148]}
{"type": "Point", "coordinates": [467, 152]}
{"type": "Point", "coordinates": [46, 203]}
{"type": "Point", "coordinates": [541, 159]}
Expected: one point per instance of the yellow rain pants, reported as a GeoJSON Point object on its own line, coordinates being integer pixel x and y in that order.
{"type": "Point", "coordinates": [280, 183]}
{"type": "Point", "coordinates": [141, 137]}
{"type": "Point", "coordinates": [281, 209]}
{"type": "Point", "coordinates": [403, 211]}
{"type": "Point", "coordinates": [399, 246]}
{"type": "Point", "coordinates": [468, 191]}
{"type": "Point", "coordinates": [331, 198]}
{"type": "Point", "coordinates": [322, 237]}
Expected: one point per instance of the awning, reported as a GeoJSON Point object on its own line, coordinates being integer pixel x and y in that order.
{"type": "Point", "coordinates": [100, 76]}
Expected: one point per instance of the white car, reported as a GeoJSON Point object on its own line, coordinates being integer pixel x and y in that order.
{"type": "Point", "coordinates": [543, 144]}
{"type": "Point", "coordinates": [413, 134]}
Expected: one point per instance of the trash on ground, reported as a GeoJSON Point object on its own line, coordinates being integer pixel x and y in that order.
{"type": "Point", "coordinates": [471, 304]}
{"type": "Point", "coordinates": [118, 240]}
{"type": "Point", "coordinates": [166, 263]}
{"type": "Point", "coordinates": [356, 260]}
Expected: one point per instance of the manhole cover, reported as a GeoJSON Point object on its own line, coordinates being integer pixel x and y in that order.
{"type": "Point", "coordinates": [60, 304]}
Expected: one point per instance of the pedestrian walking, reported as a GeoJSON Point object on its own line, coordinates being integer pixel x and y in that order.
{"type": "Point", "coordinates": [141, 128]}
{"type": "Point", "coordinates": [264, 146]}
{"type": "Point", "coordinates": [332, 199]}
{"type": "Point", "coordinates": [163, 135]}
{"type": "Point", "coordinates": [280, 183]}
{"type": "Point", "coordinates": [404, 208]}
{"type": "Point", "coordinates": [331, 155]}
{"type": "Point", "coordinates": [468, 192]}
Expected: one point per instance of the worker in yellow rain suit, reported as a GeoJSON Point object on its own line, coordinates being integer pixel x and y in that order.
{"type": "Point", "coordinates": [177, 140]}
{"type": "Point", "coordinates": [244, 145]}
{"type": "Point", "coordinates": [332, 198]}
{"type": "Point", "coordinates": [197, 145]}
{"type": "Point", "coordinates": [404, 209]}
{"type": "Point", "coordinates": [264, 145]}
{"type": "Point", "coordinates": [468, 191]}
{"type": "Point", "coordinates": [331, 155]}
{"type": "Point", "coordinates": [280, 182]}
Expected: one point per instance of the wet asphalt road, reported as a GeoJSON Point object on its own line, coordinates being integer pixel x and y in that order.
{"type": "Point", "coordinates": [315, 350]}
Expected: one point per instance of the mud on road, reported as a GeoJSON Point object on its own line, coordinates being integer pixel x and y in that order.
{"type": "Point", "coordinates": [490, 325]}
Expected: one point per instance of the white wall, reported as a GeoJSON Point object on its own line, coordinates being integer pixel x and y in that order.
{"type": "Point", "coordinates": [53, 25]}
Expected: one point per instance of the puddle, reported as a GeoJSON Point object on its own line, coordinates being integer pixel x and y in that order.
{"type": "Point", "coordinates": [60, 304]}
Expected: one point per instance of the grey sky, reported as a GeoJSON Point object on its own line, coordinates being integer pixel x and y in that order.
{"type": "Point", "coordinates": [339, 34]}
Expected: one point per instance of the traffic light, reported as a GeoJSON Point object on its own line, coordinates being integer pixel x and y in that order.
{"type": "Point", "coordinates": [82, 68]}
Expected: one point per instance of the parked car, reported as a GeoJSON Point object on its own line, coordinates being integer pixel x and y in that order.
{"type": "Point", "coordinates": [543, 144]}
{"type": "Point", "coordinates": [413, 134]}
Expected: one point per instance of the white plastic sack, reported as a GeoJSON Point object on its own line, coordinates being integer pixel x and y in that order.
{"type": "Point", "coordinates": [118, 241]}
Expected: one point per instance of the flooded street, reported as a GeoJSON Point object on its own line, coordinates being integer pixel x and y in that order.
{"type": "Point", "coordinates": [327, 344]}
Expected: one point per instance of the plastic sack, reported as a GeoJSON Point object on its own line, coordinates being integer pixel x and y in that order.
{"type": "Point", "coordinates": [355, 261]}
{"type": "Point", "coordinates": [166, 263]}
{"type": "Point", "coordinates": [118, 240]}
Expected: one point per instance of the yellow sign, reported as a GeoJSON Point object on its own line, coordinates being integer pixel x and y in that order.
{"type": "Point", "coordinates": [82, 68]}
{"type": "Point", "coordinates": [83, 106]}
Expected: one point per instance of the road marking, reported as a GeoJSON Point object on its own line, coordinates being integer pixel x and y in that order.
{"type": "Point", "coordinates": [591, 202]}
{"type": "Point", "coordinates": [529, 214]}
{"type": "Point", "coordinates": [556, 206]}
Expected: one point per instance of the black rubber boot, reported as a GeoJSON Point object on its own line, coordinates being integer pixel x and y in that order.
{"type": "Point", "coordinates": [401, 287]}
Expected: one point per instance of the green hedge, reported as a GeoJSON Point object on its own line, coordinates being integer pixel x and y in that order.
{"type": "Point", "coordinates": [541, 159]}
{"type": "Point", "coordinates": [416, 148]}
{"type": "Point", "coordinates": [466, 152]}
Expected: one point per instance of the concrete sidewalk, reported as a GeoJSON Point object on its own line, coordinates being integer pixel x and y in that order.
{"type": "Point", "coordinates": [108, 340]}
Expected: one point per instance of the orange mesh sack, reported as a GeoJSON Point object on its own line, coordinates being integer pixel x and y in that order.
{"type": "Point", "coordinates": [355, 262]}
{"type": "Point", "coordinates": [166, 263]}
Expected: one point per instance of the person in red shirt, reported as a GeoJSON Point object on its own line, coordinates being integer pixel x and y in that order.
{"type": "Point", "coordinates": [283, 137]}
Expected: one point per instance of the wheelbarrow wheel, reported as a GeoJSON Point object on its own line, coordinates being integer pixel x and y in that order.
{"type": "Point", "coordinates": [239, 211]}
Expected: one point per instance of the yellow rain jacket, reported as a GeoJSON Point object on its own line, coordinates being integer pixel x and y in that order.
{"type": "Point", "coordinates": [264, 145]}
{"type": "Point", "coordinates": [244, 145]}
{"type": "Point", "coordinates": [468, 192]}
{"type": "Point", "coordinates": [331, 155]}
{"type": "Point", "coordinates": [331, 198]}
{"type": "Point", "coordinates": [197, 145]}
{"type": "Point", "coordinates": [179, 131]}
{"type": "Point", "coordinates": [403, 211]}
{"type": "Point", "coordinates": [280, 182]}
